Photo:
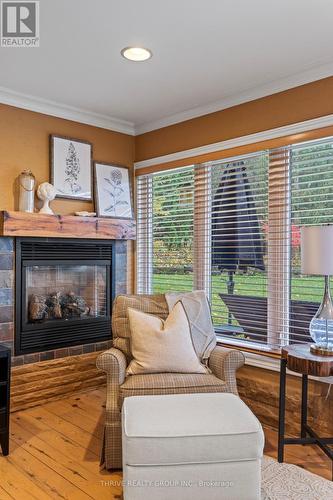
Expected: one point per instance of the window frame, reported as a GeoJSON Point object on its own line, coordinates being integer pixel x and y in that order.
{"type": "Point", "coordinates": [279, 246]}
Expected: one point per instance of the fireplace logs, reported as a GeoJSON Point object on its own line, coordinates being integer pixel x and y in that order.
{"type": "Point", "coordinates": [57, 305]}
{"type": "Point", "coordinates": [54, 305]}
{"type": "Point", "coordinates": [74, 306]}
{"type": "Point", "coordinates": [38, 310]}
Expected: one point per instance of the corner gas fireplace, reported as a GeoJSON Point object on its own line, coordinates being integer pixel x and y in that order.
{"type": "Point", "coordinates": [64, 291]}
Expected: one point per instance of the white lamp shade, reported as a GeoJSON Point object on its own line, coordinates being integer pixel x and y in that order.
{"type": "Point", "coordinates": [317, 250]}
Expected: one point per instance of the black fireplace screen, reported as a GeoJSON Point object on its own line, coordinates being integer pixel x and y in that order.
{"type": "Point", "coordinates": [63, 293]}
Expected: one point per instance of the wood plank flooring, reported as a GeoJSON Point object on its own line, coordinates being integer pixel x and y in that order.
{"type": "Point", "coordinates": [54, 453]}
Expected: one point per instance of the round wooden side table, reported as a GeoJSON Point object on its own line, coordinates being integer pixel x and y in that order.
{"type": "Point", "coordinates": [299, 359]}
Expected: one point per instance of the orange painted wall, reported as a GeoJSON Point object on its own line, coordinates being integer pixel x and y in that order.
{"type": "Point", "coordinates": [24, 144]}
{"type": "Point", "coordinates": [24, 135]}
{"type": "Point", "coordinates": [291, 106]}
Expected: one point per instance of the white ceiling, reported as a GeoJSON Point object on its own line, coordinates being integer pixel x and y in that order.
{"type": "Point", "coordinates": [208, 55]}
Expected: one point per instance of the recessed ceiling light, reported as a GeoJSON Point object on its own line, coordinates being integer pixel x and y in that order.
{"type": "Point", "coordinates": [136, 53]}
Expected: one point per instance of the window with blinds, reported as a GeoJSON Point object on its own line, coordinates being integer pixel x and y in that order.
{"type": "Point", "coordinates": [239, 222]}
{"type": "Point", "coordinates": [232, 228]}
{"type": "Point", "coordinates": [311, 205]}
{"type": "Point", "coordinates": [165, 231]}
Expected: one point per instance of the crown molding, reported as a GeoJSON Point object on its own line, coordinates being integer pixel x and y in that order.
{"type": "Point", "coordinates": [310, 75]}
{"type": "Point", "coordinates": [275, 133]}
{"type": "Point", "coordinates": [53, 108]}
{"type": "Point", "coordinates": [67, 112]}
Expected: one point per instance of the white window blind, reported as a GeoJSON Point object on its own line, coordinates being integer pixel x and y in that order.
{"type": "Point", "coordinates": [239, 247]}
{"type": "Point", "coordinates": [233, 229]}
{"type": "Point", "coordinates": [145, 236]}
{"type": "Point", "coordinates": [165, 231]}
{"type": "Point", "coordinates": [311, 204]}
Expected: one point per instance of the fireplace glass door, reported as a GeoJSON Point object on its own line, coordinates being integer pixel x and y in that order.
{"type": "Point", "coordinates": [64, 292]}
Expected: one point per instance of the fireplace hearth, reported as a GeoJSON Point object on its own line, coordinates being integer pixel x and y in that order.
{"type": "Point", "coordinates": [64, 291]}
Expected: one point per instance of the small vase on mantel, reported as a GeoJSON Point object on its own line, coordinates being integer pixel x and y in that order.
{"type": "Point", "coordinates": [27, 184]}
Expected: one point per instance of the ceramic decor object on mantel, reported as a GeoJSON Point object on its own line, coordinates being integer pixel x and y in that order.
{"type": "Point", "coordinates": [84, 213]}
{"type": "Point", "coordinates": [46, 192]}
{"type": "Point", "coordinates": [27, 184]}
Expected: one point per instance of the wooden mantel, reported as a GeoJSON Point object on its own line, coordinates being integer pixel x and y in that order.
{"type": "Point", "coordinates": [65, 226]}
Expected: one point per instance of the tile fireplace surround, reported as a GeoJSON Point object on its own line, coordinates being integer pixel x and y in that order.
{"type": "Point", "coordinates": [7, 304]}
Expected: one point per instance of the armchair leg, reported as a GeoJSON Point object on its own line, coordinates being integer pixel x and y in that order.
{"type": "Point", "coordinates": [112, 450]}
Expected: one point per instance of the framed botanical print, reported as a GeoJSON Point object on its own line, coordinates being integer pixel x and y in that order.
{"type": "Point", "coordinates": [113, 193]}
{"type": "Point", "coordinates": [71, 167]}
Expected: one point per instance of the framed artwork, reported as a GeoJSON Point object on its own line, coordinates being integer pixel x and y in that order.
{"type": "Point", "coordinates": [71, 167]}
{"type": "Point", "coordinates": [113, 193]}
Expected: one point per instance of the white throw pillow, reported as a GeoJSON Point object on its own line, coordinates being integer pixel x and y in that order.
{"type": "Point", "coordinates": [162, 346]}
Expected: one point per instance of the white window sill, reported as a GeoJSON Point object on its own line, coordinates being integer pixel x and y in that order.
{"type": "Point", "coordinates": [264, 360]}
{"type": "Point", "coordinates": [261, 361]}
{"type": "Point", "coordinates": [273, 364]}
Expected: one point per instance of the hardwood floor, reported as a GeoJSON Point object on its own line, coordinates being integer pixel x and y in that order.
{"type": "Point", "coordinates": [54, 453]}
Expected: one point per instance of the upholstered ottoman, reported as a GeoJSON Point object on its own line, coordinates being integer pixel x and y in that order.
{"type": "Point", "coordinates": [190, 446]}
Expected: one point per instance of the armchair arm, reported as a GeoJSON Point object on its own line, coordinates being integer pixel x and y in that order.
{"type": "Point", "coordinates": [224, 363]}
{"type": "Point", "coordinates": [113, 362]}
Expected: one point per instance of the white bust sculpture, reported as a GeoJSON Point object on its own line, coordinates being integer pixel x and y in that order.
{"type": "Point", "coordinates": [46, 192]}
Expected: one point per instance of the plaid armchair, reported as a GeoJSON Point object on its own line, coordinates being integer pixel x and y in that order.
{"type": "Point", "coordinates": [222, 362]}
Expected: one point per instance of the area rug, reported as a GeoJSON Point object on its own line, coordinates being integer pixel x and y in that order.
{"type": "Point", "coordinates": [290, 482]}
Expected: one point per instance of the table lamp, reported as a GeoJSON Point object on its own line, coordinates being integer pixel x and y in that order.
{"type": "Point", "coordinates": [317, 259]}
